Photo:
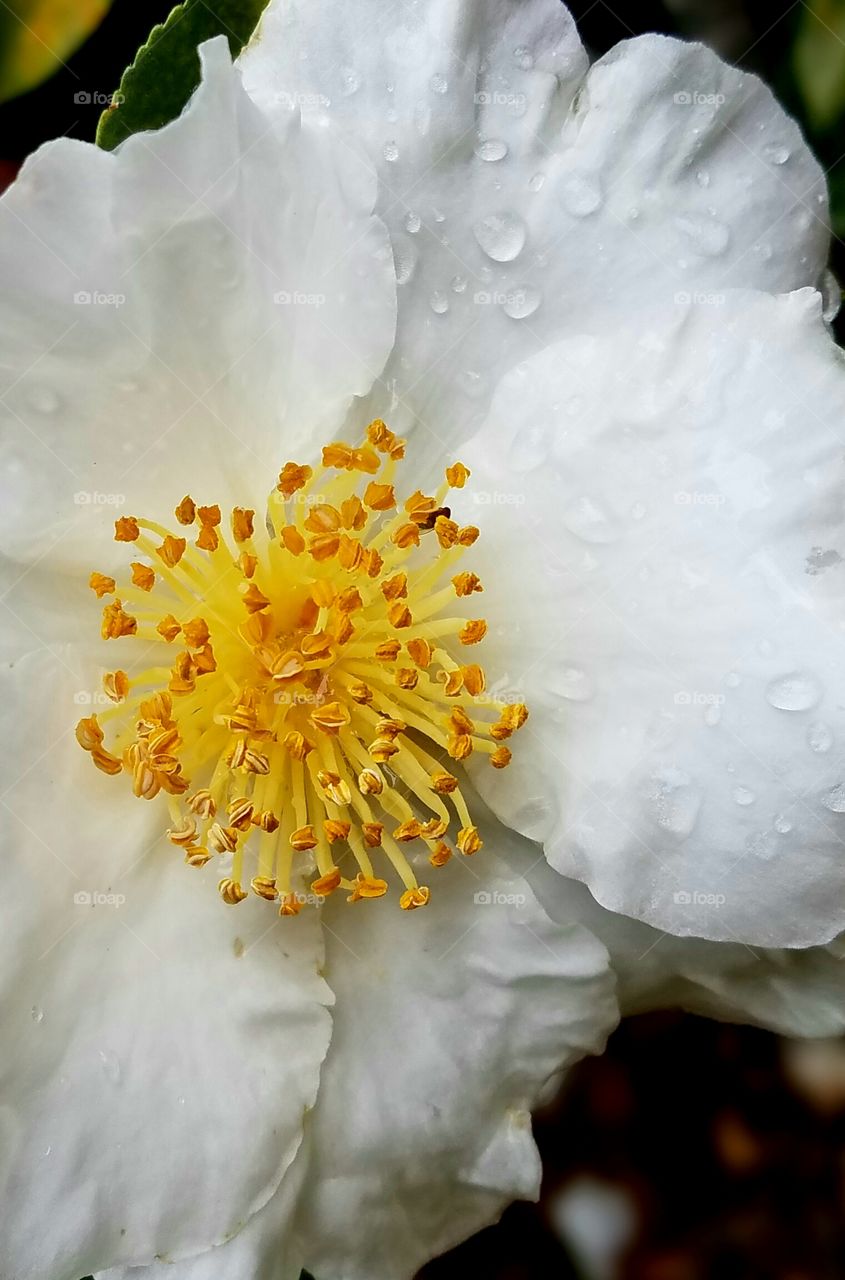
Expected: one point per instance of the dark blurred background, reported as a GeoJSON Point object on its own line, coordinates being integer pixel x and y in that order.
{"type": "Point", "coordinates": [691, 1151]}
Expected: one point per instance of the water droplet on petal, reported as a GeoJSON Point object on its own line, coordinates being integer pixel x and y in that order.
{"type": "Point", "coordinates": [706, 235]}
{"type": "Point", "coordinates": [744, 796]}
{"type": "Point", "coordinates": [405, 257]}
{"type": "Point", "coordinates": [439, 303]}
{"type": "Point", "coordinates": [676, 803]}
{"type": "Point", "coordinates": [571, 683]}
{"type": "Point", "coordinates": [776, 154]}
{"type": "Point", "coordinates": [782, 824]}
{"type": "Point", "coordinates": [831, 297]}
{"type": "Point", "coordinates": [350, 81]}
{"type": "Point", "coordinates": [819, 737]}
{"type": "Point", "coordinates": [472, 383]}
{"type": "Point", "coordinates": [502, 236]}
{"type": "Point", "coordinates": [702, 177]}
{"type": "Point", "coordinates": [458, 284]}
{"type": "Point", "coordinates": [733, 680]}
{"type": "Point", "coordinates": [580, 194]}
{"type": "Point", "coordinates": [390, 151]}
{"type": "Point", "coordinates": [438, 83]}
{"type": "Point", "coordinates": [530, 448]}
{"type": "Point", "coordinates": [712, 715]}
{"type": "Point", "coordinates": [535, 183]}
{"type": "Point", "coordinates": [491, 149]}
{"type": "Point", "coordinates": [834, 799]}
{"type": "Point", "coordinates": [36, 1013]}
{"type": "Point", "coordinates": [588, 520]}
{"type": "Point", "coordinates": [523, 57]}
{"type": "Point", "coordinates": [796, 691]}
{"type": "Point", "coordinates": [521, 302]}
{"type": "Point", "coordinates": [412, 223]}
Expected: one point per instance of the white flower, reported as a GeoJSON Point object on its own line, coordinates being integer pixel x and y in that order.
{"type": "Point", "coordinates": [467, 238]}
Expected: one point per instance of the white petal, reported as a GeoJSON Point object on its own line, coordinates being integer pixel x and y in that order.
{"type": "Point", "coordinates": [791, 992]}
{"type": "Point", "coordinates": [667, 590]}
{"type": "Point", "coordinates": [662, 170]}
{"type": "Point", "coordinates": [166, 1047]}
{"type": "Point", "coordinates": [449, 1022]}
{"type": "Point", "coordinates": [240, 295]}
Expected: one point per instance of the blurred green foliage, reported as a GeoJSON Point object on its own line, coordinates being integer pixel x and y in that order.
{"type": "Point", "coordinates": [38, 36]}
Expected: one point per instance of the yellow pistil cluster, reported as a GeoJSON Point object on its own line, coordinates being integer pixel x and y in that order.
{"type": "Point", "coordinates": [313, 676]}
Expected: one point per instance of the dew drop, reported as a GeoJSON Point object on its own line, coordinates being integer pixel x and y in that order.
{"type": "Point", "coordinates": [530, 448]}
{"type": "Point", "coordinates": [744, 796]}
{"type": "Point", "coordinates": [580, 195]}
{"type": "Point", "coordinates": [831, 297]}
{"type": "Point", "coordinates": [707, 236]}
{"type": "Point", "coordinates": [763, 845]}
{"type": "Point", "coordinates": [405, 257]}
{"type": "Point", "coordinates": [675, 802]}
{"type": "Point", "coordinates": [502, 236]}
{"type": "Point", "coordinates": [413, 223]}
{"type": "Point", "coordinates": [796, 691]}
{"type": "Point", "coordinates": [472, 383]}
{"type": "Point", "coordinates": [523, 57]}
{"type": "Point", "coordinates": [390, 151]}
{"type": "Point", "coordinates": [588, 520]}
{"type": "Point", "coordinates": [819, 737]}
{"type": "Point", "coordinates": [491, 149]}
{"type": "Point", "coordinates": [438, 83]}
{"type": "Point", "coordinates": [733, 680]}
{"type": "Point", "coordinates": [782, 824]}
{"type": "Point", "coordinates": [350, 81]}
{"type": "Point", "coordinates": [521, 302]}
{"type": "Point", "coordinates": [439, 303]}
{"type": "Point", "coordinates": [834, 799]}
{"type": "Point", "coordinates": [702, 177]}
{"type": "Point", "coordinates": [458, 284]}
{"type": "Point", "coordinates": [535, 183]}
{"type": "Point", "coordinates": [570, 683]}
{"type": "Point", "coordinates": [712, 715]}
{"type": "Point", "coordinates": [36, 1013]}
{"type": "Point", "coordinates": [776, 154]}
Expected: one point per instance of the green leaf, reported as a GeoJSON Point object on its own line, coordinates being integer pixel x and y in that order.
{"type": "Point", "coordinates": [819, 60]}
{"type": "Point", "coordinates": [38, 36]}
{"type": "Point", "coordinates": [166, 69]}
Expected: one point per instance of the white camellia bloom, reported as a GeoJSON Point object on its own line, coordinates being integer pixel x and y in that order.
{"type": "Point", "coordinates": [587, 300]}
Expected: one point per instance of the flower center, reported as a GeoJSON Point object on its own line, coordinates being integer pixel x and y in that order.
{"type": "Point", "coordinates": [319, 681]}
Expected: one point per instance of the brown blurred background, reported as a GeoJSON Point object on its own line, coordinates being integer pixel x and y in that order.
{"type": "Point", "coordinates": [691, 1151]}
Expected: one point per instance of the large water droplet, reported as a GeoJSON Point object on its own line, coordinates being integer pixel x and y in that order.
{"type": "Point", "coordinates": [491, 149]}
{"type": "Point", "coordinates": [589, 520]}
{"type": "Point", "coordinates": [776, 153]}
{"type": "Point", "coordinates": [819, 737]}
{"type": "Point", "coordinates": [521, 302]}
{"type": "Point", "coordinates": [580, 194]}
{"type": "Point", "coordinates": [706, 235]}
{"type": "Point", "coordinates": [744, 796]}
{"type": "Point", "coordinates": [571, 683]}
{"type": "Point", "coordinates": [834, 799]}
{"type": "Point", "coordinates": [796, 691]}
{"type": "Point", "coordinates": [502, 236]}
{"type": "Point", "coordinates": [439, 303]}
{"type": "Point", "coordinates": [390, 151]}
{"type": "Point", "coordinates": [405, 256]}
{"type": "Point", "coordinates": [676, 803]}
{"type": "Point", "coordinates": [413, 223]}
